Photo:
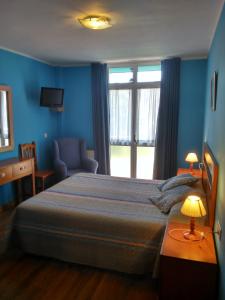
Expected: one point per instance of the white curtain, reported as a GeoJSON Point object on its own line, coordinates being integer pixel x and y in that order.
{"type": "Point", "coordinates": [120, 117]}
{"type": "Point", "coordinates": [120, 104]}
{"type": "Point", "coordinates": [147, 112]}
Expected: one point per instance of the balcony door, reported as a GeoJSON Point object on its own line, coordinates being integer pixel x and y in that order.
{"type": "Point", "coordinates": [133, 101]}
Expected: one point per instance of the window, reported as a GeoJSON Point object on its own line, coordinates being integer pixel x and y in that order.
{"type": "Point", "coordinates": [134, 94]}
{"type": "Point", "coordinates": [149, 74]}
{"type": "Point", "coordinates": [120, 75]}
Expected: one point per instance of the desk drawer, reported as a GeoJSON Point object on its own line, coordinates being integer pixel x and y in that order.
{"type": "Point", "coordinates": [5, 174]}
{"type": "Point", "coordinates": [22, 168]}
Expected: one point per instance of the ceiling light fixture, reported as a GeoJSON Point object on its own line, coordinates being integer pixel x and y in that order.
{"type": "Point", "coordinates": [95, 22]}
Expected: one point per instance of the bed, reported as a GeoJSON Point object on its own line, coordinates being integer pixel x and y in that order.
{"type": "Point", "coordinates": [96, 220]}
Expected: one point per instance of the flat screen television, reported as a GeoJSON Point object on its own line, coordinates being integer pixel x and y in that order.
{"type": "Point", "coordinates": [51, 97]}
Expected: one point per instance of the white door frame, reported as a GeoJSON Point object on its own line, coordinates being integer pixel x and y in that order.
{"type": "Point", "coordinates": [134, 86]}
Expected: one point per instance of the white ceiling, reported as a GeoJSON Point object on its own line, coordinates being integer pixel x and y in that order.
{"type": "Point", "coordinates": [142, 29]}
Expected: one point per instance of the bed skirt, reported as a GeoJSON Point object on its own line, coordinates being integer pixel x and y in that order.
{"type": "Point", "coordinates": [88, 250]}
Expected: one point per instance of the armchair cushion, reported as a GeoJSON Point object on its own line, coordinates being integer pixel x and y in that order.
{"type": "Point", "coordinates": [75, 171]}
{"type": "Point", "coordinates": [69, 152]}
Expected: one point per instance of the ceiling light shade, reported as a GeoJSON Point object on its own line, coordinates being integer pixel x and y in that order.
{"type": "Point", "coordinates": [95, 22]}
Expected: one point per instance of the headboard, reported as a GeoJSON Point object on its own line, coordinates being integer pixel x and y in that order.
{"type": "Point", "coordinates": [209, 180]}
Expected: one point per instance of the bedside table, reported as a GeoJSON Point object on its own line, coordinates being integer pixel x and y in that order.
{"type": "Point", "coordinates": [188, 270]}
{"type": "Point", "coordinates": [196, 172]}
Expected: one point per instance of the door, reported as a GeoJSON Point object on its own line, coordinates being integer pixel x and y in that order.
{"type": "Point", "coordinates": [145, 131]}
{"type": "Point", "coordinates": [133, 104]}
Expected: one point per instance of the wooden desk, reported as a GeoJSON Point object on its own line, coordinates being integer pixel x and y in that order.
{"type": "Point", "coordinates": [188, 270]}
{"type": "Point", "coordinates": [15, 169]}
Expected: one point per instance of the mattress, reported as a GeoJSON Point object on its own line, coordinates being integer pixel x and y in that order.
{"type": "Point", "coordinates": [97, 220]}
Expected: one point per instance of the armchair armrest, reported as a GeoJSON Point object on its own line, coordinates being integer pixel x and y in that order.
{"type": "Point", "coordinates": [90, 165]}
{"type": "Point", "coordinates": [60, 169]}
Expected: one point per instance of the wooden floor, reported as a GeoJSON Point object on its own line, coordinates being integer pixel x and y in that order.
{"type": "Point", "coordinates": [30, 277]}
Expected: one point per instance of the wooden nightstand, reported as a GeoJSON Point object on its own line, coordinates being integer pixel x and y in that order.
{"type": "Point", "coordinates": [196, 172]}
{"type": "Point", "coordinates": [188, 270]}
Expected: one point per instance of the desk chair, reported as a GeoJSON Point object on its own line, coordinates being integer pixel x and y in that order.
{"type": "Point", "coordinates": [29, 151]}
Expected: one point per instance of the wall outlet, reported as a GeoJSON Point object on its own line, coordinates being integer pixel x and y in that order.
{"type": "Point", "coordinates": [45, 135]}
{"type": "Point", "coordinates": [218, 230]}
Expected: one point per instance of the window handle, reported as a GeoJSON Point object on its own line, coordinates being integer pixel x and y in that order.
{"type": "Point", "coordinates": [134, 139]}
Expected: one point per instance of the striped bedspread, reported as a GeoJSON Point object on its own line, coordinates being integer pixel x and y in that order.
{"type": "Point", "coordinates": [112, 216]}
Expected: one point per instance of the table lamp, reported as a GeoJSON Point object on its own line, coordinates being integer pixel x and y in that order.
{"type": "Point", "coordinates": [191, 158]}
{"type": "Point", "coordinates": [194, 208]}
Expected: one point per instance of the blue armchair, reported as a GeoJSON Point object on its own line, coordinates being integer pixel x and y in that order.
{"type": "Point", "coordinates": [70, 158]}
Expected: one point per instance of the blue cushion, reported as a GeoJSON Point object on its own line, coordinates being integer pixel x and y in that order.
{"type": "Point", "coordinates": [168, 199]}
{"type": "Point", "coordinates": [183, 179]}
{"type": "Point", "coordinates": [71, 172]}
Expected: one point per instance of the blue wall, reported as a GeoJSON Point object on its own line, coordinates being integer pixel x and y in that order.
{"type": "Point", "coordinates": [77, 117]}
{"type": "Point", "coordinates": [192, 105]}
{"type": "Point", "coordinates": [25, 76]}
{"type": "Point", "coordinates": [214, 134]}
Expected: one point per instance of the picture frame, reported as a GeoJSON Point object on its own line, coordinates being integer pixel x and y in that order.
{"type": "Point", "coordinates": [214, 80]}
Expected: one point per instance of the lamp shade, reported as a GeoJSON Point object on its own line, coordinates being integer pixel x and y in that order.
{"type": "Point", "coordinates": [193, 207]}
{"type": "Point", "coordinates": [191, 157]}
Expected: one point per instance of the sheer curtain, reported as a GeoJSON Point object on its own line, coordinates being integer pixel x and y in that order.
{"type": "Point", "coordinates": [147, 111]}
{"type": "Point", "coordinates": [120, 117]}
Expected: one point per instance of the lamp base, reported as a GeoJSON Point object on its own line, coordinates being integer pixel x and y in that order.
{"type": "Point", "coordinates": [179, 235]}
{"type": "Point", "coordinates": [191, 168]}
{"type": "Point", "coordinates": [193, 236]}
